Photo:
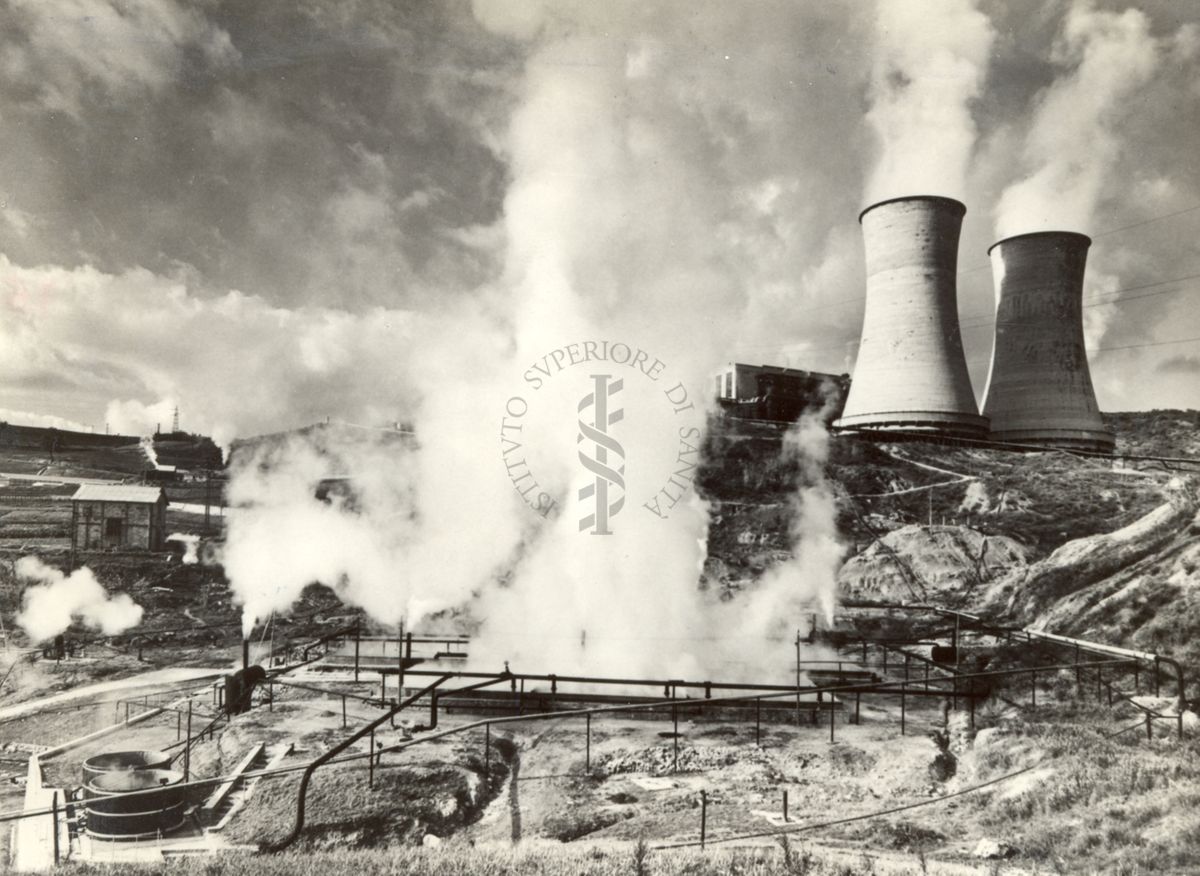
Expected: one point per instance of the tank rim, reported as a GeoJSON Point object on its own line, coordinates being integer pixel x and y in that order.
{"type": "Point", "coordinates": [955, 203]}
{"type": "Point", "coordinates": [1061, 234]}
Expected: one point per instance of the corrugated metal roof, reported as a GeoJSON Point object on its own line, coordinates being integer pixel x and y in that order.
{"type": "Point", "coordinates": [117, 493]}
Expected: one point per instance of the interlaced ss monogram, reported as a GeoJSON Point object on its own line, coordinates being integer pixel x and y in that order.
{"type": "Point", "coordinates": [600, 464]}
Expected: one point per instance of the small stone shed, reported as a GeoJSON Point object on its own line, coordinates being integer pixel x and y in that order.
{"type": "Point", "coordinates": [118, 517]}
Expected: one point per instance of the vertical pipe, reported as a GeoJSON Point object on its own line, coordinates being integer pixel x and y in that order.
{"type": "Point", "coordinates": [270, 695]}
{"type": "Point", "coordinates": [903, 709]}
{"type": "Point", "coordinates": [371, 763]}
{"type": "Point", "coordinates": [245, 654]}
{"type": "Point", "coordinates": [382, 691]}
{"type": "Point", "coordinates": [675, 735]}
{"type": "Point", "coordinates": [521, 699]}
{"type": "Point", "coordinates": [1149, 729]}
{"type": "Point", "coordinates": [785, 806]}
{"type": "Point", "coordinates": [357, 646]}
{"type": "Point", "coordinates": [487, 755]}
{"type": "Point", "coordinates": [587, 758]}
{"type": "Point", "coordinates": [178, 724]}
{"type": "Point", "coordinates": [187, 745]}
{"type": "Point", "coordinates": [408, 646]}
{"type": "Point", "coordinates": [703, 817]}
{"type": "Point", "coordinates": [400, 663]}
{"type": "Point", "coordinates": [54, 823]}
{"type": "Point", "coordinates": [857, 698]}
{"type": "Point", "coordinates": [343, 711]}
{"type": "Point", "coordinates": [797, 678]}
{"type": "Point", "coordinates": [831, 718]}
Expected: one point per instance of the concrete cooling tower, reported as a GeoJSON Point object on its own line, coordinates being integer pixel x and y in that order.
{"type": "Point", "coordinates": [911, 372]}
{"type": "Point", "coordinates": [1039, 389]}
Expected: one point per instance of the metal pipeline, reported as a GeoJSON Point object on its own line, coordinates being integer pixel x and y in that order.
{"type": "Point", "coordinates": [1053, 638]}
{"type": "Point", "coordinates": [367, 730]}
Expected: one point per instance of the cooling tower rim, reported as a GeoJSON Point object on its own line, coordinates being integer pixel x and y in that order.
{"type": "Point", "coordinates": [1087, 241]}
{"type": "Point", "coordinates": [957, 205]}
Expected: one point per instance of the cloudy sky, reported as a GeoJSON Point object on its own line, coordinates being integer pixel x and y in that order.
{"type": "Point", "coordinates": [276, 211]}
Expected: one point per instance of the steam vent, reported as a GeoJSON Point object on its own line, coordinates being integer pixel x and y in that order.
{"type": "Point", "coordinates": [1039, 388]}
{"type": "Point", "coordinates": [911, 372]}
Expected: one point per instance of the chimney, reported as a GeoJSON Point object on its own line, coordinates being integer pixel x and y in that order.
{"type": "Point", "coordinates": [911, 372]}
{"type": "Point", "coordinates": [1039, 389]}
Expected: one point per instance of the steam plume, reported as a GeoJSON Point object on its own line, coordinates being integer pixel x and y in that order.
{"type": "Point", "coordinates": [925, 76]}
{"type": "Point", "coordinates": [50, 606]}
{"type": "Point", "coordinates": [808, 581]}
{"type": "Point", "coordinates": [1074, 142]}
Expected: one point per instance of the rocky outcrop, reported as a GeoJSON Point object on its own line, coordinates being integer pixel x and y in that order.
{"type": "Point", "coordinates": [920, 562]}
{"type": "Point", "coordinates": [1029, 594]}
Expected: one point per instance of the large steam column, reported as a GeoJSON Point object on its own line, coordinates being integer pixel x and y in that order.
{"type": "Point", "coordinates": [1039, 388]}
{"type": "Point", "coordinates": [911, 372]}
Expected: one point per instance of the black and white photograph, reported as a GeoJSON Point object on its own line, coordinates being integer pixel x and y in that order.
{"type": "Point", "coordinates": [659, 438]}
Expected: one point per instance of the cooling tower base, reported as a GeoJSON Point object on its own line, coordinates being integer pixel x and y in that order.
{"type": "Point", "coordinates": [1066, 439]}
{"type": "Point", "coordinates": [945, 423]}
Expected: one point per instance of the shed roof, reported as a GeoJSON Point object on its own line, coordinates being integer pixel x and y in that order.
{"type": "Point", "coordinates": [117, 493]}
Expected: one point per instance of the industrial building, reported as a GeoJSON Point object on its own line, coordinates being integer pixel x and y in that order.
{"type": "Point", "coordinates": [1039, 387]}
{"type": "Point", "coordinates": [771, 392]}
{"type": "Point", "coordinates": [911, 372]}
{"type": "Point", "coordinates": [118, 517]}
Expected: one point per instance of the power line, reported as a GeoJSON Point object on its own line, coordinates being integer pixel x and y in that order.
{"type": "Point", "coordinates": [979, 320]}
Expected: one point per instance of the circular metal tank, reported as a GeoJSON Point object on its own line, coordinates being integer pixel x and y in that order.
{"type": "Point", "coordinates": [113, 761]}
{"type": "Point", "coordinates": [1039, 388]}
{"type": "Point", "coordinates": [115, 812]}
{"type": "Point", "coordinates": [911, 372]}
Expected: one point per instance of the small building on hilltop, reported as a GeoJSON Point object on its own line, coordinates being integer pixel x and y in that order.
{"type": "Point", "coordinates": [771, 392]}
{"type": "Point", "coordinates": [118, 517]}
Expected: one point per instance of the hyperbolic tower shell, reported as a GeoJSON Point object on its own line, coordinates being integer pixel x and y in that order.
{"type": "Point", "coordinates": [1039, 389]}
{"type": "Point", "coordinates": [911, 372]}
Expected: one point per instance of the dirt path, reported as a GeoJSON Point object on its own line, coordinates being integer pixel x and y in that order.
{"type": "Point", "coordinates": [156, 677]}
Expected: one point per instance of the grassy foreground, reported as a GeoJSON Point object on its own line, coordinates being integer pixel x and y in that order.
{"type": "Point", "coordinates": [790, 860]}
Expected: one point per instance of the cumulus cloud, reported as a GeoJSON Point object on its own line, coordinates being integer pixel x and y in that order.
{"type": "Point", "coordinates": [235, 364]}
{"type": "Point", "coordinates": [1180, 364]}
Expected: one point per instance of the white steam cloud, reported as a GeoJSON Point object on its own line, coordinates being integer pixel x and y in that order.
{"type": "Point", "coordinates": [617, 226]}
{"type": "Point", "coordinates": [808, 581]}
{"type": "Point", "coordinates": [1075, 139]}
{"type": "Point", "coordinates": [928, 69]}
{"type": "Point", "coordinates": [50, 606]}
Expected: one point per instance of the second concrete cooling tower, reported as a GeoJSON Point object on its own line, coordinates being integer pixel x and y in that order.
{"type": "Point", "coordinates": [911, 372]}
{"type": "Point", "coordinates": [1039, 388]}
